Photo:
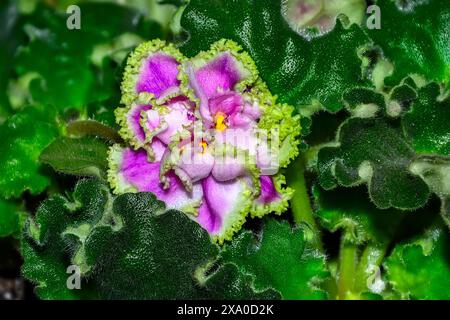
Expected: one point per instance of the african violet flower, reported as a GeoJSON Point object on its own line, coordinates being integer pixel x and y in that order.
{"type": "Point", "coordinates": [205, 135]}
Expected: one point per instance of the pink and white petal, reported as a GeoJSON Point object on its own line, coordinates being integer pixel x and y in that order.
{"type": "Point", "coordinates": [243, 139]}
{"type": "Point", "coordinates": [129, 119]}
{"type": "Point", "coordinates": [268, 191]}
{"type": "Point", "coordinates": [167, 121]}
{"type": "Point", "coordinates": [196, 163]}
{"type": "Point", "coordinates": [158, 149]}
{"type": "Point", "coordinates": [225, 207]}
{"type": "Point", "coordinates": [227, 104]}
{"type": "Point", "coordinates": [273, 197]}
{"type": "Point", "coordinates": [222, 68]}
{"type": "Point", "coordinates": [229, 168]}
{"type": "Point", "coordinates": [241, 121]}
{"type": "Point", "coordinates": [152, 69]}
{"type": "Point", "coordinates": [131, 172]}
{"type": "Point", "coordinates": [252, 110]}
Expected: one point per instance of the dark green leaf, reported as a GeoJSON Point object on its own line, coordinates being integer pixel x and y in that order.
{"type": "Point", "coordinates": [10, 39]}
{"type": "Point", "coordinates": [126, 247]}
{"type": "Point", "coordinates": [427, 123]}
{"type": "Point", "coordinates": [366, 102]}
{"type": "Point", "coordinates": [414, 36]}
{"type": "Point", "coordinates": [351, 211]}
{"type": "Point", "coordinates": [373, 151]}
{"type": "Point", "coordinates": [11, 219]}
{"type": "Point", "coordinates": [84, 156]}
{"type": "Point", "coordinates": [288, 63]}
{"type": "Point", "coordinates": [420, 269]}
{"type": "Point", "coordinates": [279, 258]}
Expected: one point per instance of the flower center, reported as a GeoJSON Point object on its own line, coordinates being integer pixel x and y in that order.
{"type": "Point", "coordinates": [220, 118]}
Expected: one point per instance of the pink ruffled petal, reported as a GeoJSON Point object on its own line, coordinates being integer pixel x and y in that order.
{"type": "Point", "coordinates": [224, 208]}
{"type": "Point", "coordinates": [268, 191]}
{"type": "Point", "coordinates": [243, 139]}
{"type": "Point", "coordinates": [196, 162]}
{"type": "Point", "coordinates": [266, 160]}
{"type": "Point", "coordinates": [229, 168]}
{"type": "Point", "coordinates": [152, 72]}
{"type": "Point", "coordinates": [218, 75]}
{"type": "Point", "coordinates": [226, 104]}
{"type": "Point", "coordinates": [129, 119]}
{"type": "Point", "coordinates": [252, 110]}
{"type": "Point", "coordinates": [222, 69]}
{"type": "Point", "coordinates": [153, 119]}
{"type": "Point", "coordinates": [158, 149]}
{"type": "Point", "coordinates": [158, 75]}
{"type": "Point", "coordinates": [165, 124]}
{"type": "Point", "coordinates": [241, 120]}
{"type": "Point", "coordinates": [144, 176]}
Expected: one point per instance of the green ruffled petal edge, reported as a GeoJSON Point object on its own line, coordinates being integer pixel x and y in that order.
{"type": "Point", "coordinates": [115, 179]}
{"type": "Point", "coordinates": [237, 216]}
{"type": "Point", "coordinates": [125, 131]}
{"type": "Point", "coordinates": [277, 207]}
{"type": "Point", "coordinates": [280, 116]}
{"type": "Point", "coordinates": [134, 62]}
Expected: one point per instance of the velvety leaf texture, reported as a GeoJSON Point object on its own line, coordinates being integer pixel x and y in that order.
{"type": "Point", "coordinates": [280, 258]}
{"type": "Point", "coordinates": [351, 211]}
{"type": "Point", "coordinates": [420, 269]}
{"type": "Point", "coordinates": [427, 123]}
{"type": "Point", "coordinates": [24, 136]}
{"type": "Point", "coordinates": [299, 71]}
{"type": "Point", "coordinates": [84, 156]}
{"type": "Point", "coordinates": [414, 36]}
{"type": "Point", "coordinates": [127, 247]}
{"type": "Point", "coordinates": [373, 151]}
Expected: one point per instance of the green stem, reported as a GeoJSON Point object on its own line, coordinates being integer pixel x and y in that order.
{"type": "Point", "coordinates": [371, 259]}
{"type": "Point", "coordinates": [347, 268]}
{"type": "Point", "coordinates": [300, 202]}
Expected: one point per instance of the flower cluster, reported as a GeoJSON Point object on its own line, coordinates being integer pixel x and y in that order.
{"type": "Point", "coordinates": [205, 135]}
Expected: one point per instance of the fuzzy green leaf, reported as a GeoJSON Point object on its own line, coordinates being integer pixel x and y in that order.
{"type": "Point", "coordinates": [367, 102]}
{"type": "Point", "coordinates": [126, 247]}
{"type": "Point", "coordinates": [414, 36]}
{"type": "Point", "coordinates": [420, 269]}
{"type": "Point", "coordinates": [24, 136]}
{"type": "Point", "coordinates": [279, 258]}
{"type": "Point", "coordinates": [287, 62]}
{"type": "Point", "coordinates": [85, 156]}
{"type": "Point", "coordinates": [83, 128]}
{"type": "Point", "coordinates": [351, 211]}
{"type": "Point", "coordinates": [373, 151]}
{"type": "Point", "coordinates": [427, 123]}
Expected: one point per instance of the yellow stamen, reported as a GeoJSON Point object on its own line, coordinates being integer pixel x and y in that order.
{"type": "Point", "coordinates": [220, 117]}
{"type": "Point", "coordinates": [203, 144]}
